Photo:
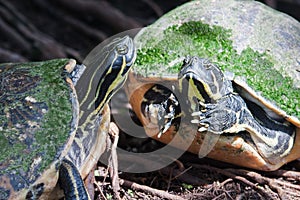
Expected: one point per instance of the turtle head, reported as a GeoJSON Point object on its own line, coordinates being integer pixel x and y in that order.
{"type": "Point", "coordinates": [205, 79]}
{"type": "Point", "coordinates": [121, 55]}
{"type": "Point", "coordinates": [107, 67]}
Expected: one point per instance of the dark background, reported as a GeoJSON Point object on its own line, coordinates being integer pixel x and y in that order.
{"type": "Point", "coordinates": [44, 29]}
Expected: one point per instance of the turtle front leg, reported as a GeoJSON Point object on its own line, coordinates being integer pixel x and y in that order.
{"type": "Point", "coordinates": [220, 117]}
{"type": "Point", "coordinates": [163, 113]}
{"type": "Point", "coordinates": [231, 115]}
{"type": "Point", "coordinates": [71, 182]}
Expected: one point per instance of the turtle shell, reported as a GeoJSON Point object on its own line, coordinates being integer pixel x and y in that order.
{"type": "Point", "coordinates": [246, 38]}
{"type": "Point", "coordinates": [38, 120]}
{"type": "Point", "coordinates": [243, 43]}
{"type": "Point", "coordinates": [270, 107]}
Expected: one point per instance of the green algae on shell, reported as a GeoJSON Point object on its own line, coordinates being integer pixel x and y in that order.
{"type": "Point", "coordinates": [235, 43]}
{"type": "Point", "coordinates": [38, 116]}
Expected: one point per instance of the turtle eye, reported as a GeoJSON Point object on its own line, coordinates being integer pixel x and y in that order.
{"type": "Point", "coordinates": [186, 60]}
{"type": "Point", "coordinates": [122, 49]}
{"type": "Point", "coordinates": [208, 65]}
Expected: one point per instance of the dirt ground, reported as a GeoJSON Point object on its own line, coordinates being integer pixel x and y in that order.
{"type": "Point", "coordinates": [38, 30]}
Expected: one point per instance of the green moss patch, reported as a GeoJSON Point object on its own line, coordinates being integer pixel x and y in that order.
{"type": "Point", "coordinates": [164, 56]}
{"type": "Point", "coordinates": [41, 126]}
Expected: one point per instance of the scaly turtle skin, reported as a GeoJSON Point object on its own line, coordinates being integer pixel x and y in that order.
{"type": "Point", "coordinates": [43, 122]}
{"type": "Point", "coordinates": [231, 106]}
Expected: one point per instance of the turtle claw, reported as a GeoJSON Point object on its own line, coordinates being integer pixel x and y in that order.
{"type": "Point", "coordinates": [194, 114]}
{"type": "Point", "coordinates": [198, 114]}
{"type": "Point", "coordinates": [204, 117]}
{"type": "Point", "coordinates": [195, 121]}
{"type": "Point", "coordinates": [203, 125]}
{"type": "Point", "coordinates": [169, 116]}
{"type": "Point", "coordinates": [202, 129]}
{"type": "Point", "coordinates": [217, 118]}
{"type": "Point", "coordinates": [202, 104]}
{"type": "Point", "coordinates": [165, 127]}
{"type": "Point", "coordinates": [198, 121]}
{"type": "Point", "coordinates": [160, 134]}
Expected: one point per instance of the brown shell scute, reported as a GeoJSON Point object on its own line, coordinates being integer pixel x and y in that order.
{"type": "Point", "coordinates": [18, 81]}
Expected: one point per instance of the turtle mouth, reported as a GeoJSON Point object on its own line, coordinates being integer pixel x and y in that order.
{"type": "Point", "coordinates": [133, 56]}
{"type": "Point", "coordinates": [132, 51]}
{"type": "Point", "coordinates": [197, 85]}
{"type": "Point", "coordinates": [130, 56]}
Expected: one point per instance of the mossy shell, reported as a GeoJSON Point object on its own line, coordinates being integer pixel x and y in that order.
{"type": "Point", "coordinates": [38, 119]}
{"type": "Point", "coordinates": [259, 45]}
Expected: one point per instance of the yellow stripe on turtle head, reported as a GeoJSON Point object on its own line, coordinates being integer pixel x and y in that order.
{"type": "Point", "coordinates": [105, 74]}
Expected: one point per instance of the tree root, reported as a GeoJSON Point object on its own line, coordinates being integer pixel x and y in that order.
{"type": "Point", "coordinates": [292, 175]}
{"type": "Point", "coordinates": [89, 183]}
{"type": "Point", "coordinates": [283, 188]}
{"type": "Point", "coordinates": [113, 160]}
{"type": "Point", "coordinates": [268, 187]}
{"type": "Point", "coordinates": [147, 189]}
{"type": "Point", "coordinates": [263, 191]}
